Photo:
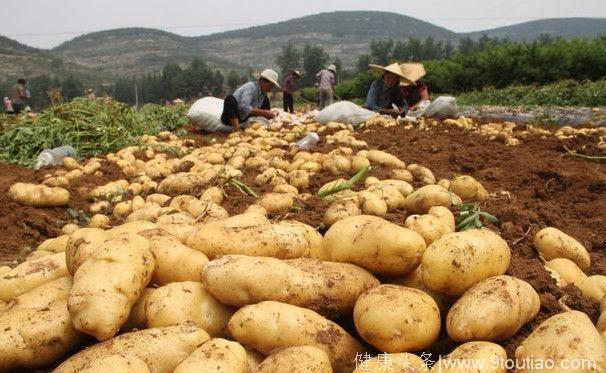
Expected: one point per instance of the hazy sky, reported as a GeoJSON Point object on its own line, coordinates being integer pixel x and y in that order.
{"type": "Point", "coordinates": [47, 23]}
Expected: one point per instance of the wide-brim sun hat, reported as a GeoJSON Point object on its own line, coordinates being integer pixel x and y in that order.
{"type": "Point", "coordinates": [296, 72]}
{"type": "Point", "coordinates": [271, 76]}
{"type": "Point", "coordinates": [394, 68]}
{"type": "Point", "coordinates": [412, 71]}
{"type": "Point", "coordinates": [332, 68]}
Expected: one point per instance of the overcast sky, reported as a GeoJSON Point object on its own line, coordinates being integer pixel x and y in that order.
{"type": "Point", "coordinates": [47, 23]}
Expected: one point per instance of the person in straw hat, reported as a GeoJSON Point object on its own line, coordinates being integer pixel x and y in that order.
{"type": "Point", "coordinates": [249, 100]}
{"type": "Point", "coordinates": [417, 92]}
{"type": "Point", "coordinates": [325, 80]}
{"type": "Point", "coordinates": [385, 95]}
{"type": "Point", "coordinates": [289, 87]}
{"type": "Point", "coordinates": [90, 94]}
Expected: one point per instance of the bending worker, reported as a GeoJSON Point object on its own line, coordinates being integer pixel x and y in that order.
{"type": "Point", "coordinates": [325, 81]}
{"type": "Point", "coordinates": [385, 95]}
{"type": "Point", "coordinates": [249, 100]}
{"type": "Point", "coordinates": [415, 93]}
{"type": "Point", "coordinates": [289, 86]}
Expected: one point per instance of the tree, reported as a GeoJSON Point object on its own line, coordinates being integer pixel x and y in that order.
{"type": "Point", "coordinates": [289, 58]}
{"type": "Point", "coordinates": [124, 90]}
{"type": "Point", "coordinates": [233, 80]}
{"type": "Point", "coordinates": [339, 65]}
{"type": "Point", "coordinates": [381, 51]}
{"type": "Point", "coordinates": [363, 62]}
{"type": "Point", "coordinates": [218, 83]}
{"type": "Point", "coordinates": [173, 80]}
{"type": "Point", "coordinates": [71, 88]}
{"type": "Point", "coordinates": [315, 59]}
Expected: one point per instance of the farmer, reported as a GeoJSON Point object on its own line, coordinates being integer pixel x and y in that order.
{"type": "Point", "coordinates": [326, 81]}
{"type": "Point", "coordinates": [20, 93]}
{"type": "Point", "coordinates": [90, 94]}
{"type": "Point", "coordinates": [417, 92]}
{"type": "Point", "coordinates": [289, 87]}
{"type": "Point", "coordinates": [385, 95]}
{"type": "Point", "coordinates": [249, 100]}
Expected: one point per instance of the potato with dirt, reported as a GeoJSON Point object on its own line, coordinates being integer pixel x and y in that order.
{"type": "Point", "coordinates": [433, 225]}
{"type": "Point", "coordinates": [473, 357]}
{"type": "Point", "coordinates": [162, 349]}
{"type": "Point", "coordinates": [108, 283]}
{"type": "Point", "coordinates": [181, 302]}
{"type": "Point", "coordinates": [277, 203]}
{"type": "Point", "coordinates": [38, 195]}
{"type": "Point", "coordinates": [385, 159]}
{"type": "Point", "coordinates": [116, 364]}
{"type": "Point", "coordinates": [356, 240]}
{"type": "Point", "coordinates": [397, 319]}
{"type": "Point", "coordinates": [493, 310]}
{"type": "Point", "coordinates": [424, 198]}
{"type": "Point", "coordinates": [421, 174]}
{"type": "Point", "coordinates": [552, 243]}
{"type": "Point", "coordinates": [297, 359]}
{"type": "Point", "coordinates": [215, 355]}
{"type": "Point", "coordinates": [267, 326]}
{"type": "Point", "coordinates": [328, 288]}
{"type": "Point", "coordinates": [81, 244]}
{"type": "Point", "coordinates": [393, 363]}
{"type": "Point", "coordinates": [54, 245]}
{"type": "Point", "coordinates": [468, 188]}
{"type": "Point", "coordinates": [565, 272]}
{"type": "Point", "coordinates": [457, 261]}
{"type": "Point", "coordinates": [138, 316]}
{"type": "Point", "coordinates": [341, 209]}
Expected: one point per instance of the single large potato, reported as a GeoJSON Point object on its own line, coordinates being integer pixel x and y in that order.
{"type": "Point", "coordinates": [553, 243]}
{"type": "Point", "coordinates": [37, 195]}
{"type": "Point", "coordinates": [373, 243]}
{"type": "Point", "coordinates": [468, 188]}
{"type": "Point", "coordinates": [392, 363]}
{"type": "Point", "coordinates": [216, 355]}
{"type": "Point", "coordinates": [138, 316]}
{"type": "Point", "coordinates": [457, 261]}
{"type": "Point", "coordinates": [438, 222]}
{"type": "Point", "coordinates": [474, 357]}
{"type": "Point", "coordinates": [81, 244]}
{"type": "Point", "coordinates": [424, 198]}
{"type": "Point", "coordinates": [269, 325]}
{"type": "Point", "coordinates": [328, 288]}
{"type": "Point", "coordinates": [181, 302]}
{"type": "Point", "coordinates": [44, 295]}
{"type": "Point", "coordinates": [397, 319]}
{"type": "Point", "coordinates": [565, 272]}
{"type": "Point", "coordinates": [162, 349]}
{"type": "Point", "coordinates": [116, 364]}
{"type": "Point", "coordinates": [493, 310]}
{"type": "Point", "coordinates": [109, 283]}
{"type": "Point", "coordinates": [298, 359]}
{"type": "Point", "coordinates": [562, 339]}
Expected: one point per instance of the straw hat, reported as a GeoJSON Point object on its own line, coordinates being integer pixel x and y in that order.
{"type": "Point", "coordinates": [90, 90]}
{"type": "Point", "coordinates": [296, 72]}
{"type": "Point", "coordinates": [332, 68]}
{"type": "Point", "coordinates": [271, 76]}
{"type": "Point", "coordinates": [413, 72]}
{"type": "Point", "coordinates": [394, 68]}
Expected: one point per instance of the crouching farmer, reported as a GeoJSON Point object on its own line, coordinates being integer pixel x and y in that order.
{"type": "Point", "coordinates": [385, 95]}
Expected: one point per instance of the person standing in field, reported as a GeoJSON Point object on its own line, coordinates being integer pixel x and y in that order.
{"type": "Point", "coordinates": [385, 95]}
{"type": "Point", "coordinates": [289, 86]}
{"type": "Point", "coordinates": [326, 82]}
{"type": "Point", "coordinates": [19, 94]}
{"type": "Point", "coordinates": [90, 94]}
{"type": "Point", "coordinates": [417, 92]}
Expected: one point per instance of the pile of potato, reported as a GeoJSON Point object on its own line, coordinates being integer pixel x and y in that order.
{"type": "Point", "coordinates": [166, 281]}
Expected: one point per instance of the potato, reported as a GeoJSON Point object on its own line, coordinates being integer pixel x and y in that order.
{"type": "Point", "coordinates": [421, 174]}
{"type": "Point", "coordinates": [468, 188]}
{"type": "Point", "coordinates": [473, 357]}
{"type": "Point", "coordinates": [393, 363]}
{"type": "Point", "coordinates": [81, 245]}
{"type": "Point", "coordinates": [372, 204]}
{"type": "Point", "coordinates": [116, 364]}
{"type": "Point", "coordinates": [388, 193]}
{"type": "Point", "coordinates": [385, 159]}
{"type": "Point", "coordinates": [299, 179]}
{"type": "Point", "coordinates": [299, 359]}
{"type": "Point", "coordinates": [70, 163]}
{"type": "Point", "coordinates": [213, 194]}
{"type": "Point", "coordinates": [108, 283]}
{"type": "Point", "coordinates": [253, 234]}
{"type": "Point", "coordinates": [37, 255]}
{"type": "Point", "coordinates": [397, 319]}
{"type": "Point", "coordinates": [457, 261]}
{"type": "Point", "coordinates": [148, 212]}
{"type": "Point", "coordinates": [31, 274]}
{"type": "Point", "coordinates": [54, 245]}
{"type": "Point", "coordinates": [330, 289]}
{"type": "Point", "coordinates": [311, 166]}
{"type": "Point", "coordinates": [565, 272]}
{"type": "Point", "coordinates": [432, 226]}
{"type": "Point", "coordinates": [99, 221]}
{"type": "Point", "coordinates": [122, 209]}
{"type": "Point", "coordinates": [216, 355]}
{"type": "Point", "coordinates": [564, 338]}
{"type": "Point", "coordinates": [269, 325]}
{"type": "Point", "coordinates": [493, 310]}
{"type": "Point", "coordinates": [424, 198]}
{"type": "Point", "coordinates": [286, 189]}
{"type": "Point", "coordinates": [42, 296]}
{"type": "Point", "coordinates": [359, 163]}
{"type": "Point", "coordinates": [186, 183]}
{"type": "Point", "coordinates": [69, 229]}
{"type": "Point", "coordinates": [401, 174]}
{"type": "Point", "coordinates": [130, 227]}
{"type": "Point", "coordinates": [138, 318]}
{"type": "Point", "coordinates": [38, 195]}
{"type": "Point", "coordinates": [276, 203]}
{"type": "Point", "coordinates": [36, 337]}
{"type": "Point", "coordinates": [181, 302]}
{"type": "Point", "coordinates": [356, 240]}
{"type": "Point", "coordinates": [594, 287]}
{"type": "Point", "coordinates": [552, 243]}
{"type": "Point", "coordinates": [341, 209]}
{"type": "Point", "coordinates": [159, 199]}
{"type": "Point", "coordinates": [162, 349]}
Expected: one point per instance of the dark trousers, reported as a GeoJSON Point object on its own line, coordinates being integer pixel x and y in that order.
{"type": "Point", "coordinates": [289, 103]}
{"type": "Point", "coordinates": [230, 109]}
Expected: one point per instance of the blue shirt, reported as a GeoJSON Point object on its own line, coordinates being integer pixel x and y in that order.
{"type": "Point", "coordinates": [381, 96]}
{"type": "Point", "coordinates": [249, 96]}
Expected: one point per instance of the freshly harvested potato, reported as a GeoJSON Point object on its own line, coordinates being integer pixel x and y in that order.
{"type": "Point", "coordinates": [388, 193]}
{"type": "Point", "coordinates": [162, 349]}
{"type": "Point", "coordinates": [31, 274]}
{"type": "Point", "coordinates": [286, 189]}
{"type": "Point", "coordinates": [42, 296]}
{"type": "Point", "coordinates": [37, 255]}
{"type": "Point", "coordinates": [372, 204]}
{"type": "Point", "coordinates": [276, 203]}
{"type": "Point", "coordinates": [397, 319]}
{"type": "Point", "coordinates": [564, 338]}
{"type": "Point", "coordinates": [181, 302]}
{"type": "Point", "coordinates": [473, 357]}
{"type": "Point", "coordinates": [99, 221]}
{"type": "Point", "coordinates": [116, 364]}
{"type": "Point", "coordinates": [565, 272]}
{"type": "Point", "coordinates": [356, 240]}
{"type": "Point", "coordinates": [54, 245]}
{"type": "Point", "coordinates": [414, 280]}
{"type": "Point", "coordinates": [186, 183]}
{"type": "Point", "coordinates": [258, 209]}
{"type": "Point", "coordinates": [385, 159]}
{"type": "Point", "coordinates": [457, 261]}
{"type": "Point", "coordinates": [297, 359]}
{"type": "Point", "coordinates": [594, 287]}
{"type": "Point", "coordinates": [401, 174]}
{"type": "Point", "coordinates": [328, 288]}
{"type": "Point", "coordinates": [393, 363]}
{"type": "Point", "coordinates": [38, 195]}
{"type": "Point", "coordinates": [148, 212]}
{"type": "Point", "coordinates": [216, 355]}
{"type": "Point", "coordinates": [421, 174]}
{"type": "Point", "coordinates": [553, 243]}
{"type": "Point", "coordinates": [138, 318]}
{"type": "Point", "coordinates": [267, 326]}
{"type": "Point", "coordinates": [438, 222]}
{"type": "Point", "coordinates": [159, 199]}
{"type": "Point", "coordinates": [70, 163]}
{"type": "Point", "coordinates": [69, 229]}
{"type": "Point", "coordinates": [131, 227]}
{"type": "Point", "coordinates": [341, 209]}
{"type": "Point", "coordinates": [424, 198]}
{"type": "Point", "coordinates": [359, 163]}
{"type": "Point", "coordinates": [493, 310]}
{"type": "Point", "coordinates": [81, 245]}
{"type": "Point", "coordinates": [108, 284]}
{"type": "Point", "coordinates": [468, 188]}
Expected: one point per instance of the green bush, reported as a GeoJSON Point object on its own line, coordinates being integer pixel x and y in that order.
{"type": "Point", "coordinates": [309, 93]}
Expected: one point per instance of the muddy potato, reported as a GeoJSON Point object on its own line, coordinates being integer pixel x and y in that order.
{"type": "Point", "coordinates": [38, 195]}
{"type": "Point", "coordinates": [553, 243]}
{"type": "Point", "coordinates": [216, 355]}
{"type": "Point", "coordinates": [438, 222]}
{"type": "Point", "coordinates": [493, 310]}
{"type": "Point", "coordinates": [42, 296]}
{"type": "Point", "coordinates": [424, 198]}
{"type": "Point", "coordinates": [267, 326]}
{"type": "Point", "coordinates": [457, 261]}
{"type": "Point", "coordinates": [473, 357]}
{"type": "Point", "coordinates": [421, 174]}
{"type": "Point", "coordinates": [565, 272]}
{"type": "Point", "coordinates": [468, 188]}
{"type": "Point", "coordinates": [341, 209]}
{"type": "Point", "coordinates": [359, 163]}
{"type": "Point", "coordinates": [372, 204]}
{"type": "Point", "coordinates": [69, 229]}
{"type": "Point", "coordinates": [116, 364]}
{"type": "Point", "coordinates": [388, 193]}
{"type": "Point", "coordinates": [355, 240]}
{"type": "Point", "coordinates": [393, 363]}
{"type": "Point", "coordinates": [80, 246]}
{"type": "Point", "coordinates": [276, 203]}
{"type": "Point", "coordinates": [54, 245]}
{"type": "Point", "coordinates": [563, 338]}
{"type": "Point", "coordinates": [162, 349]}
{"type": "Point", "coordinates": [99, 221]}
{"type": "Point", "coordinates": [299, 359]}
{"type": "Point", "coordinates": [138, 318]}
{"type": "Point", "coordinates": [299, 179]}
{"type": "Point", "coordinates": [159, 199]}
{"type": "Point", "coordinates": [181, 302]}
{"type": "Point", "coordinates": [414, 280]}
{"type": "Point", "coordinates": [385, 159]}
{"type": "Point", "coordinates": [330, 289]}
{"type": "Point", "coordinates": [397, 319]}
{"type": "Point", "coordinates": [286, 189]}
{"type": "Point", "coordinates": [594, 287]}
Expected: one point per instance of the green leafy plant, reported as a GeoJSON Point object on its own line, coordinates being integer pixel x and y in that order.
{"type": "Point", "coordinates": [355, 179]}
{"type": "Point", "coordinates": [469, 216]}
{"type": "Point", "coordinates": [245, 189]}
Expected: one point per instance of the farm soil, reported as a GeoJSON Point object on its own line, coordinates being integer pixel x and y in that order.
{"type": "Point", "coordinates": [533, 185]}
